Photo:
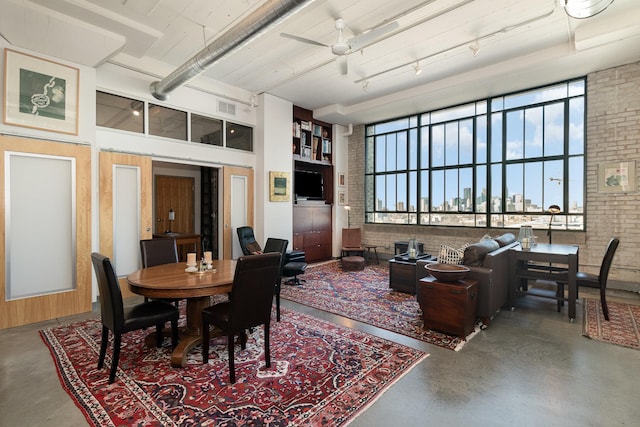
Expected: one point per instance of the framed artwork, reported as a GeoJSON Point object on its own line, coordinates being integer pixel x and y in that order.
{"type": "Point", "coordinates": [618, 177]}
{"type": "Point", "coordinates": [342, 180]}
{"type": "Point", "coordinates": [40, 94]}
{"type": "Point", "coordinates": [279, 186]}
{"type": "Point", "coordinates": [342, 198]}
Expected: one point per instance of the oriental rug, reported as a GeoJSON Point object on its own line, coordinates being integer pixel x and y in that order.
{"type": "Point", "coordinates": [365, 296]}
{"type": "Point", "coordinates": [622, 328]}
{"type": "Point", "coordinates": [321, 374]}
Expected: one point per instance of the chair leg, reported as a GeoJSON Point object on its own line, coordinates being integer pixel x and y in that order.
{"type": "Point", "coordinates": [103, 346]}
{"type": "Point", "coordinates": [278, 302]}
{"type": "Point", "coordinates": [159, 336]}
{"type": "Point", "coordinates": [603, 302]}
{"type": "Point", "coordinates": [267, 347]}
{"type": "Point", "coordinates": [116, 357]}
{"type": "Point", "coordinates": [232, 365]}
{"type": "Point", "coordinates": [205, 338]}
{"type": "Point", "coordinates": [174, 333]}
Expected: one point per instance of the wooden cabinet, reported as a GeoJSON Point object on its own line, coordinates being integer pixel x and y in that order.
{"type": "Point", "coordinates": [448, 306]}
{"type": "Point", "coordinates": [312, 230]}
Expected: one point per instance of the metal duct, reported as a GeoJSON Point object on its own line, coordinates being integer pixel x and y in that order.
{"type": "Point", "coordinates": [266, 16]}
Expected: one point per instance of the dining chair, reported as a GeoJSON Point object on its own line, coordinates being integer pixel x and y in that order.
{"type": "Point", "coordinates": [598, 281]}
{"type": "Point", "coordinates": [120, 319]}
{"type": "Point", "coordinates": [280, 246]}
{"type": "Point", "coordinates": [249, 305]}
{"type": "Point", "coordinates": [157, 252]}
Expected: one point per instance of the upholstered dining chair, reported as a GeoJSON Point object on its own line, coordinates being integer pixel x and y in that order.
{"type": "Point", "coordinates": [249, 305]}
{"type": "Point", "coordinates": [280, 246]}
{"type": "Point", "coordinates": [598, 281]}
{"type": "Point", "coordinates": [352, 242]}
{"type": "Point", "coordinates": [247, 240]}
{"type": "Point", "coordinates": [156, 252]}
{"type": "Point", "coordinates": [120, 319]}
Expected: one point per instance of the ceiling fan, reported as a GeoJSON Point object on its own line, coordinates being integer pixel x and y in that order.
{"type": "Point", "coordinates": [341, 48]}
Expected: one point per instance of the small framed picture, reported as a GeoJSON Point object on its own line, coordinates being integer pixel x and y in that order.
{"type": "Point", "coordinates": [279, 186]}
{"type": "Point", "coordinates": [342, 198]}
{"type": "Point", "coordinates": [342, 180]}
{"type": "Point", "coordinates": [618, 177]}
{"type": "Point", "coordinates": [40, 94]}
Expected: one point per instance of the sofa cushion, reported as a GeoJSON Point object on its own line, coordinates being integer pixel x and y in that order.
{"type": "Point", "coordinates": [449, 255]}
{"type": "Point", "coordinates": [505, 239]}
{"type": "Point", "coordinates": [474, 254]}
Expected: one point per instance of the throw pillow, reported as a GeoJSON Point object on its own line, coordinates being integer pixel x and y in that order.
{"type": "Point", "coordinates": [449, 255]}
{"type": "Point", "coordinates": [505, 239]}
{"type": "Point", "coordinates": [254, 248]}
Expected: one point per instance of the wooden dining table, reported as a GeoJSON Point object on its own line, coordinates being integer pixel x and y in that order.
{"type": "Point", "coordinates": [172, 281]}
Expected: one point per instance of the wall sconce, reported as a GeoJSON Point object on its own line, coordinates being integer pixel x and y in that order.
{"type": "Point", "coordinates": [553, 209]}
{"type": "Point", "coordinates": [348, 209]}
{"type": "Point", "coordinates": [172, 217]}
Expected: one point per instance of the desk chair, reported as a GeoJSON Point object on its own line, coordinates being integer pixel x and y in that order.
{"type": "Point", "coordinates": [279, 246]}
{"type": "Point", "coordinates": [249, 305]}
{"type": "Point", "coordinates": [120, 320]}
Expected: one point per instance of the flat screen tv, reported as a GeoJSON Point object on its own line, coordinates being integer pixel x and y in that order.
{"type": "Point", "coordinates": [308, 185]}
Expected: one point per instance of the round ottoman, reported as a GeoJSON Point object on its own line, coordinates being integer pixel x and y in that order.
{"type": "Point", "coordinates": [352, 263]}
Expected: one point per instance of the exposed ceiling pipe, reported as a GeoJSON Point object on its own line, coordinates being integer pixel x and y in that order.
{"type": "Point", "coordinates": [271, 13]}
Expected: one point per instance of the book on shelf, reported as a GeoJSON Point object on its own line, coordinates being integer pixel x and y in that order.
{"type": "Point", "coordinates": [296, 130]}
{"type": "Point", "coordinates": [305, 125]}
{"type": "Point", "coordinates": [317, 130]}
{"type": "Point", "coordinates": [326, 146]}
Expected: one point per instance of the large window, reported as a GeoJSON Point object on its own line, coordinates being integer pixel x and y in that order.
{"type": "Point", "coordinates": [500, 162]}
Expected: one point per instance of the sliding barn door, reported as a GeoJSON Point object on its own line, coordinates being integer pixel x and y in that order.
{"type": "Point", "coordinates": [45, 261]}
{"type": "Point", "coordinates": [125, 210]}
{"type": "Point", "coordinates": [237, 207]}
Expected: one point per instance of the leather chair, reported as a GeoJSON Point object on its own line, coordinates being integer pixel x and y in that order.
{"type": "Point", "coordinates": [279, 246]}
{"type": "Point", "coordinates": [293, 269]}
{"type": "Point", "coordinates": [120, 320]}
{"type": "Point", "coordinates": [157, 252]}
{"type": "Point", "coordinates": [247, 240]}
{"type": "Point", "coordinates": [352, 242]}
{"type": "Point", "coordinates": [598, 281]}
{"type": "Point", "coordinates": [249, 305]}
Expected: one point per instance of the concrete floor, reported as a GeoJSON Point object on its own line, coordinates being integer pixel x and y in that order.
{"type": "Point", "coordinates": [531, 367]}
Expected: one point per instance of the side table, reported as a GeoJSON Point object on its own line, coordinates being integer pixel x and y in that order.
{"type": "Point", "coordinates": [375, 252]}
{"type": "Point", "coordinates": [448, 306]}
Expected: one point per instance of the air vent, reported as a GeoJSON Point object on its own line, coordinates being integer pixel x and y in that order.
{"type": "Point", "coordinates": [227, 108]}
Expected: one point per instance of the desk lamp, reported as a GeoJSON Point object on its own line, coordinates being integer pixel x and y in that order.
{"type": "Point", "coordinates": [553, 209]}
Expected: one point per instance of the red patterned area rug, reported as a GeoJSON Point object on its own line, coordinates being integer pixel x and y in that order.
{"type": "Point", "coordinates": [321, 374]}
{"type": "Point", "coordinates": [622, 328]}
{"type": "Point", "coordinates": [365, 296]}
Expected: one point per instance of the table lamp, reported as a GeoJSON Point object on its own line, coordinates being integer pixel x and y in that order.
{"type": "Point", "coordinates": [553, 209]}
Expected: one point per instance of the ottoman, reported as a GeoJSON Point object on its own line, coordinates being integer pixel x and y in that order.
{"type": "Point", "coordinates": [352, 263]}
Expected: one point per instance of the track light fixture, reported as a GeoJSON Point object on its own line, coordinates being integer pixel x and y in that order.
{"type": "Point", "coordinates": [365, 85]}
{"type": "Point", "coordinates": [475, 48]}
{"type": "Point", "coordinates": [417, 68]}
{"type": "Point", "coordinates": [581, 9]}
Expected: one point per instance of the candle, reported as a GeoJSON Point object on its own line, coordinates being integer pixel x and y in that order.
{"type": "Point", "coordinates": [207, 257]}
{"type": "Point", "coordinates": [191, 259]}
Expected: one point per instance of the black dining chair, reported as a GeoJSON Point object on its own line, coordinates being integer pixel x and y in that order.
{"type": "Point", "coordinates": [280, 246]}
{"type": "Point", "coordinates": [598, 281]}
{"type": "Point", "coordinates": [157, 252]}
{"type": "Point", "coordinates": [120, 319]}
{"type": "Point", "coordinates": [249, 306]}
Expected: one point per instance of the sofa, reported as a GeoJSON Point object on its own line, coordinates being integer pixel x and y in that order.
{"type": "Point", "coordinates": [488, 262]}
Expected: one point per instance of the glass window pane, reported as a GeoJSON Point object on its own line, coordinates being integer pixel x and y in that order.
{"type": "Point", "coordinates": [554, 129]}
{"type": "Point", "coordinates": [496, 137]}
{"type": "Point", "coordinates": [481, 139]}
{"type": "Point", "coordinates": [401, 198]}
{"type": "Point", "coordinates": [402, 151]}
{"type": "Point", "coordinates": [465, 190]}
{"type": "Point", "coordinates": [413, 149]}
{"type": "Point", "coordinates": [413, 191]}
{"type": "Point", "coordinates": [466, 142]}
{"type": "Point", "coordinates": [481, 189]}
{"type": "Point", "coordinates": [451, 144]}
{"type": "Point", "coordinates": [392, 153]}
{"type": "Point", "coordinates": [451, 190]}
{"type": "Point", "coordinates": [536, 96]}
{"type": "Point", "coordinates": [369, 153]}
{"type": "Point", "coordinates": [553, 183]}
{"type": "Point", "coordinates": [515, 133]}
{"type": "Point", "coordinates": [496, 188]}
{"type": "Point", "coordinates": [167, 122]}
{"type": "Point", "coordinates": [118, 112]}
{"type": "Point", "coordinates": [206, 130]}
{"type": "Point", "coordinates": [576, 185]}
{"type": "Point", "coordinates": [437, 190]}
{"type": "Point", "coordinates": [424, 147]}
{"type": "Point", "coordinates": [381, 193]}
{"type": "Point", "coordinates": [381, 154]}
{"type": "Point", "coordinates": [576, 126]}
{"type": "Point", "coordinates": [424, 191]}
{"type": "Point", "coordinates": [437, 145]}
{"type": "Point", "coordinates": [393, 126]}
{"type": "Point", "coordinates": [533, 132]}
{"type": "Point", "coordinates": [239, 137]}
{"type": "Point", "coordinates": [515, 188]}
{"type": "Point", "coordinates": [369, 194]}
{"type": "Point", "coordinates": [391, 193]}
{"type": "Point", "coordinates": [533, 187]}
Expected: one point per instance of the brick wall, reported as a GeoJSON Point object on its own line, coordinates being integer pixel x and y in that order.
{"type": "Point", "coordinates": [613, 135]}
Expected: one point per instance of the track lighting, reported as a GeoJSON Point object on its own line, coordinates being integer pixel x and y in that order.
{"type": "Point", "coordinates": [475, 48]}
{"type": "Point", "coordinates": [417, 68]}
{"type": "Point", "coordinates": [365, 85]}
{"type": "Point", "coordinates": [581, 9]}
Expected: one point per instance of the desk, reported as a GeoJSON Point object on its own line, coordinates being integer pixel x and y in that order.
{"type": "Point", "coordinates": [171, 281]}
{"type": "Point", "coordinates": [185, 243]}
{"type": "Point", "coordinates": [544, 253]}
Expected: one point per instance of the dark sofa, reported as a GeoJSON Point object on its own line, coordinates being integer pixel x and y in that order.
{"type": "Point", "coordinates": [488, 261]}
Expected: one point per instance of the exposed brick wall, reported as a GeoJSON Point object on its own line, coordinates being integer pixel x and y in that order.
{"type": "Point", "coordinates": [613, 135]}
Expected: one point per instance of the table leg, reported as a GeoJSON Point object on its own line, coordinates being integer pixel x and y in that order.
{"type": "Point", "coordinates": [191, 335]}
{"type": "Point", "coordinates": [512, 283]}
{"type": "Point", "coordinates": [573, 287]}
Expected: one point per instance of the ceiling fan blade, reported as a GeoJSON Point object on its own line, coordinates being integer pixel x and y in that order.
{"type": "Point", "coordinates": [303, 40]}
{"type": "Point", "coordinates": [360, 41]}
{"type": "Point", "coordinates": [343, 64]}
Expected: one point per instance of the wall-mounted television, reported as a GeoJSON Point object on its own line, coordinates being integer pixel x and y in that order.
{"type": "Point", "coordinates": [308, 185]}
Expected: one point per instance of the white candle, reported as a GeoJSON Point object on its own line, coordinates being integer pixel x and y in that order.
{"type": "Point", "coordinates": [207, 257]}
{"type": "Point", "coordinates": [191, 259]}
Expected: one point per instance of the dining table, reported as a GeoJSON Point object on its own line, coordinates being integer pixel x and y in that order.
{"type": "Point", "coordinates": [173, 281]}
{"type": "Point", "coordinates": [544, 261]}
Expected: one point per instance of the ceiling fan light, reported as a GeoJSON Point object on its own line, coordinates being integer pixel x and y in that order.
{"type": "Point", "coordinates": [581, 9]}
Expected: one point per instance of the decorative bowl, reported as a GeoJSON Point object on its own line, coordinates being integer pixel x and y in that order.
{"type": "Point", "coordinates": [447, 272]}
